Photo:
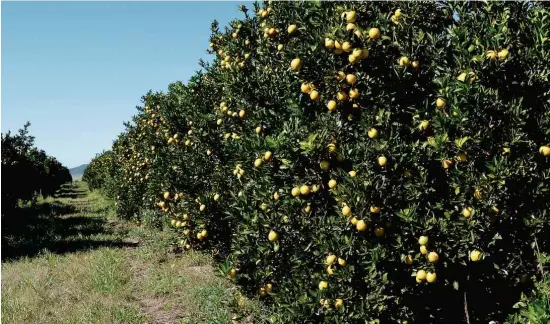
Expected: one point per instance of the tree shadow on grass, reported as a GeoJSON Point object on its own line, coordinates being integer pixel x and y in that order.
{"type": "Point", "coordinates": [55, 227]}
{"type": "Point", "coordinates": [71, 193]}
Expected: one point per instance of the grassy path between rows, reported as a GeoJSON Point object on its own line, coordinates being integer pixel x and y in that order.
{"type": "Point", "coordinates": [72, 261]}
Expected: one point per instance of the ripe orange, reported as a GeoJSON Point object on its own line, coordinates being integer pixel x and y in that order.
{"type": "Point", "coordinates": [440, 103]}
{"type": "Point", "coordinates": [374, 33]}
{"type": "Point", "coordinates": [421, 275]}
{"type": "Point", "coordinates": [475, 256]}
{"type": "Point", "coordinates": [292, 29]}
{"type": "Point", "coordinates": [424, 125]}
{"type": "Point", "coordinates": [351, 79]}
{"type": "Point", "coordinates": [433, 257]}
{"type": "Point", "coordinates": [296, 64]}
{"type": "Point", "coordinates": [272, 236]}
{"type": "Point", "coordinates": [314, 95]}
{"type": "Point", "coordinates": [330, 259]}
{"type": "Point", "coordinates": [341, 96]}
{"type": "Point", "coordinates": [491, 55]}
{"type": "Point", "coordinates": [350, 16]}
{"type": "Point", "coordinates": [372, 133]}
{"type": "Point", "coordinates": [331, 105]}
{"type": "Point", "coordinates": [467, 212]}
{"type": "Point", "coordinates": [354, 93]}
{"type": "Point", "coordinates": [361, 226]}
{"type": "Point", "coordinates": [305, 88]}
{"type": "Point", "coordinates": [502, 54]}
{"type": "Point", "coordinates": [346, 211]}
{"type": "Point", "coordinates": [404, 61]}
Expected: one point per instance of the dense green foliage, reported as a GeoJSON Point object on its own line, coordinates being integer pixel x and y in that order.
{"type": "Point", "coordinates": [315, 179]}
{"type": "Point", "coordinates": [27, 171]}
{"type": "Point", "coordinates": [535, 308]}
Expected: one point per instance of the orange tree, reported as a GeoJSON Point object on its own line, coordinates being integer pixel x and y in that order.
{"type": "Point", "coordinates": [27, 171]}
{"type": "Point", "coordinates": [357, 161]}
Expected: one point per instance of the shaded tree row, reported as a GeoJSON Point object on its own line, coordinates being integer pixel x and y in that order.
{"type": "Point", "coordinates": [27, 171]}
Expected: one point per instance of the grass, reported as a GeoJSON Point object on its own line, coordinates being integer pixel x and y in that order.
{"type": "Point", "coordinates": [535, 309]}
{"type": "Point", "coordinates": [71, 261]}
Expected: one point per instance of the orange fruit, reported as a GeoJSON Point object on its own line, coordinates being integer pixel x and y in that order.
{"type": "Point", "coordinates": [440, 103]}
{"type": "Point", "coordinates": [331, 105]}
{"type": "Point", "coordinates": [361, 226]}
{"type": "Point", "coordinates": [272, 236]}
{"type": "Point", "coordinates": [374, 33]}
{"type": "Point", "coordinates": [296, 64]}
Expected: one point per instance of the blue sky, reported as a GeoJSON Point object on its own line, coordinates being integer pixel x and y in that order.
{"type": "Point", "coordinates": [76, 70]}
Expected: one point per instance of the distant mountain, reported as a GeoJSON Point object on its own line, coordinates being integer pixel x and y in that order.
{"type": "Point", "coordinates": [78, 171]}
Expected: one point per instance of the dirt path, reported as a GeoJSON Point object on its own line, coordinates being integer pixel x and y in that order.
{"type": "Point", "coordinates": [71, 261]}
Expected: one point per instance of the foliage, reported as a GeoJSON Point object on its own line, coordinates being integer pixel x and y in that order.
{"type": "Point", "coordinates": [349, 130]}
{"type": "Point", "coordinates": [27, 171]}
{"type": "Point", "coordinates": [536, 307]}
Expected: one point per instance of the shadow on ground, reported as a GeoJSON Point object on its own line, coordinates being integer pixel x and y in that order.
{"type": "Point", "coordinates": [71, 192]}
{"type": "Point", "coordinates": [55, 226]}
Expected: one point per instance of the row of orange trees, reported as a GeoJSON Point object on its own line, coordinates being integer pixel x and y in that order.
{"type": "Point", "coordinates": [356, 161]}
{"type": "Point", "coordinates": [27, 171]}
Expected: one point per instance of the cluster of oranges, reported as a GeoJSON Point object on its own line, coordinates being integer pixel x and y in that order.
{"type": "Point", "coordinates": [336, 77]}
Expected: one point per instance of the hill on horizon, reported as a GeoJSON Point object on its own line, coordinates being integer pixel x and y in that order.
{"type": "Point", "coordinates": [78, 171]}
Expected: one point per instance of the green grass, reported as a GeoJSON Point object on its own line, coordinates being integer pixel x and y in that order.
{"type": "Point", "coordinates": [535, 309]}
{"type": "Point", "coordinates": [74, 262]}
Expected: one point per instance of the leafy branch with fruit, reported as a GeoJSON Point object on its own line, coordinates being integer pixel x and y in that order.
{"type": "Point", "coordinates": [356, 161]}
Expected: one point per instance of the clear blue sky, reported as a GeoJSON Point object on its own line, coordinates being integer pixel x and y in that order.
{"type": "Point", "coordinates": [76, 70]}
